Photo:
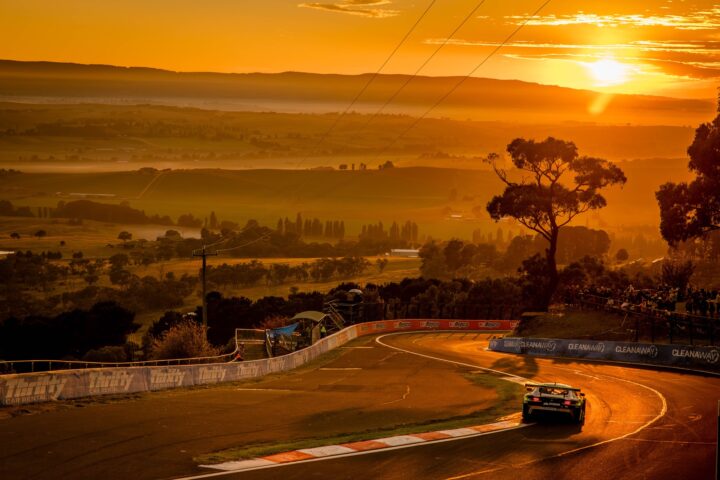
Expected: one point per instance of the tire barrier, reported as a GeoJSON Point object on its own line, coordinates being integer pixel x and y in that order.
{"type": "Point", "coordinates": [679, 356]}
{"type": "Point", "coordinates": [19, 389]}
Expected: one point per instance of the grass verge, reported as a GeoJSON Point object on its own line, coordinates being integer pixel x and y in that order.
{"type": "Point", "coordinates": [508, 401]}
{"type": "Point", "coordinates": [578, 324]}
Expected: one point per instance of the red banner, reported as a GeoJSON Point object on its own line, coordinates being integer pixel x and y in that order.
{"type": "Point", "coordinates": [424, 325]}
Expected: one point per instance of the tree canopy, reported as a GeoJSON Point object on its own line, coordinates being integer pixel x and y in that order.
{"type": "Point", "coordinates": [691, 210]}
{"type": "Point", "coordinates": [545, 199]}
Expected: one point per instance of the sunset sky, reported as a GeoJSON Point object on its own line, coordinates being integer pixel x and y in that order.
{"type": "Point", "coordinates": [669, 47]}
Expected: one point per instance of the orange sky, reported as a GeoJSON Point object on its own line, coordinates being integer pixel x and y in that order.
{"type": "Point", "coordinates": [669, 47]}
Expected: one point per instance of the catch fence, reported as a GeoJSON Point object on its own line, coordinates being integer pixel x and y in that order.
{"type": "Point", "coordinates": [653, 323]}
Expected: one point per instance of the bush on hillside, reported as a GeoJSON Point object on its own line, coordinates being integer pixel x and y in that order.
{"type": "Point", "coordinates": [186, 339]}
{"type": "Point", "coordinates": [109, 353]}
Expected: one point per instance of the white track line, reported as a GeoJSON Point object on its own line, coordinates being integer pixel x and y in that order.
{"type": "Point", "coordinates": [413, 445]}
{"type": "Point", "coordinates": [372, 452]}
{"type": "Point", "coordinates": [499, 372]}
{"type": "Point", "coordinates": [662, 413]}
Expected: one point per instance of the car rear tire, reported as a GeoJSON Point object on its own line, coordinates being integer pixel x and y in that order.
{"type": "Point", "coordinates": [579, 416]}
{"type": "Point", "coordinates": [526, 413]}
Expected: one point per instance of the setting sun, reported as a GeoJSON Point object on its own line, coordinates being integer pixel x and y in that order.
{"type": "Point", "coordinates": [290, 238]}
{"type": "Point", "coordinates": [607, 72]}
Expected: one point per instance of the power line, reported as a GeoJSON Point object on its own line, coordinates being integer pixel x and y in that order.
{"type": "Point", "coordinates": [370, 81]}
{"type": "Point", "coordinates": [204, 256]}
{"type": "Point", "coordinates": [456, 86]}
{"type": "Point", "coordinates": [463, 79]}
{"type": "Point", "coordinates": [223, 240]}
{"type": "Point", "coordinates": [218, 242]}
{"type": "Point", "coordinates": [424, 64]}
{"type": "Point", "coordinates": [203, 253]}
{"type": "Point", "coordinates": [261, 237]}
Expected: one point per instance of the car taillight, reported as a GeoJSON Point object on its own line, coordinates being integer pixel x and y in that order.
{"type": "Point", "coordinates": [536, 399]}
{"type": "Point", "coordinates": [567, 402]}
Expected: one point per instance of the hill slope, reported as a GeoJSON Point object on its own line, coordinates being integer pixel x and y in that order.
{"type": "Point", "coordinates": [477, 98]}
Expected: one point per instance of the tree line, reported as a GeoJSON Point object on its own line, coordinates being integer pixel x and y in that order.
{"type": "Point", "coordinates": [330, 229]}
{"type": "Point", "coordinates": [456, 258]}
{"type": "Point", "coordinates": [254, 272]}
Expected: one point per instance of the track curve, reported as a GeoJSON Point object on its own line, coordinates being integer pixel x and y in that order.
{"type": "Point", "coordinates": [366, 386]}
{"type": "Point", "coordinates": [641, 424]}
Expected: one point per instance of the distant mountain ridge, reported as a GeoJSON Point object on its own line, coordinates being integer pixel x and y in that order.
{"type": "Point", "coordinates": [477, 98]}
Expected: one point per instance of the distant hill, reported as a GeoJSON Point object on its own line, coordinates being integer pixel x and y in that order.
{"type": "Point", "coordinates": [478, 98]}
{"type": "Point", "coordinates": [55, 137]}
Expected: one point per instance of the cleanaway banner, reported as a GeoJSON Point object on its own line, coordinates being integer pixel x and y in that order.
{"type": "Point", "coordinates": [48, 386]}
{"type": "Point", "coordinates": [685, 356]}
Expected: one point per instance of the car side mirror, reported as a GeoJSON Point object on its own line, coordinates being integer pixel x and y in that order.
{"type": "Point", "coordinates": [582, 394]}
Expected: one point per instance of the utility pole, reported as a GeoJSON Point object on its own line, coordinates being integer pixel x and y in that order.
{"type": "Point", "coordinates": [204, 254]}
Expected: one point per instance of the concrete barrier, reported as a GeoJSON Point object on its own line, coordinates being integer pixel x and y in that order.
{"type": "Point", "coordinates": [677, 356]}
{"type": "Point", "coordinates": [26, 388]}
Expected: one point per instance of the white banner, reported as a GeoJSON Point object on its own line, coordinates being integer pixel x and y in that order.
{"type": "Point", "coordinates": [25, 388]}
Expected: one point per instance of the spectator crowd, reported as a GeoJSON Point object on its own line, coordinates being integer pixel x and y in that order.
{"type": "Point", "coordinates": [697, 302]}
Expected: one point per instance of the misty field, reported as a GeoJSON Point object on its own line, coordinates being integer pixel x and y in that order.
{"type": "Point", "coordinates": [76, 138]}
{"type": "Point", "coordinates": [444, 202]}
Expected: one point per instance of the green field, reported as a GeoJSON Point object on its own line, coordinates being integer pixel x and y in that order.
{"type": "Point", "coordinates": [420, 194]}
{"type": "Point", "coordinates": [417, 194]}
{"type": "Point", "coordinates": [99, 240]}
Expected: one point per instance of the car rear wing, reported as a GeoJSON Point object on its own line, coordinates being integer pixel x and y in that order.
{"type": "Point", "coordinates": [536, 385]}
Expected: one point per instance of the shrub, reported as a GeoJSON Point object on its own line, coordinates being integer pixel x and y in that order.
{"type": "Point", "coordinates": [109, 353]}
{"type": "Point", "coordinates": [186, 339]}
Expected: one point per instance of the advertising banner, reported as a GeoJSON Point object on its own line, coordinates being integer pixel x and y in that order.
{"type": "Point", "coordinates": [685, 356]}
{"type": "Point", "coordinates": [42, 387]}
{"type": "Point", "coordinates": [387, 326]}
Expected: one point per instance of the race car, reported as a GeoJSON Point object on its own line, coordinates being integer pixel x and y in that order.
{"type": "Point", "coordinates": [554, 398]}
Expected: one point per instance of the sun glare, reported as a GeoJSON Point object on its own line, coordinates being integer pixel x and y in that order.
{"type": "Point", "coordinates": [607, 72]}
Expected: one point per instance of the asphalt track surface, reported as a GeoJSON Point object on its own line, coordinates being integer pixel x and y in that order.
{"type": "Point", "coordinates": [641, 424]}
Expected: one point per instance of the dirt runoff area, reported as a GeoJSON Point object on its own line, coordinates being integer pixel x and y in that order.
{"type": "Point", "coordinates": [361, 387]}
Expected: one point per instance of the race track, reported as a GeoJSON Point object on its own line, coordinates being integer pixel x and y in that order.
{"type": "Point", "coordinates": [641, 423]}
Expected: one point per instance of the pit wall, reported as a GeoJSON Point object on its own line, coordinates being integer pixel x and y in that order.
{"type": "Point", "coordinates": [26, 388]}
{"type": "Point", "coordinates": [705, 359]}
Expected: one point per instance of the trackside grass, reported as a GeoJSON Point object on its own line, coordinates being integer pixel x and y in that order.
{"type": "Point", "coordinates": [509, 397]}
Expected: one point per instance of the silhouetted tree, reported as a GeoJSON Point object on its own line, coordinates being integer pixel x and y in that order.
{"type": "Point", "coordinates": [381, 263]}
{"type": "Point", "coordinates": [690, 210]}
{"type": "Point", "coordinates": [544, 200]}
{"type": "Point", "coordinates": [677, 274]}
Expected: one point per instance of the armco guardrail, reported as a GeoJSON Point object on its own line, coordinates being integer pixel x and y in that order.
{"type": "Point", "coordinates": [242, 337]}
{"type": "Point", "coordinates": [47, 386]}
{"type": "Point", "coordinates": [679, 356]}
